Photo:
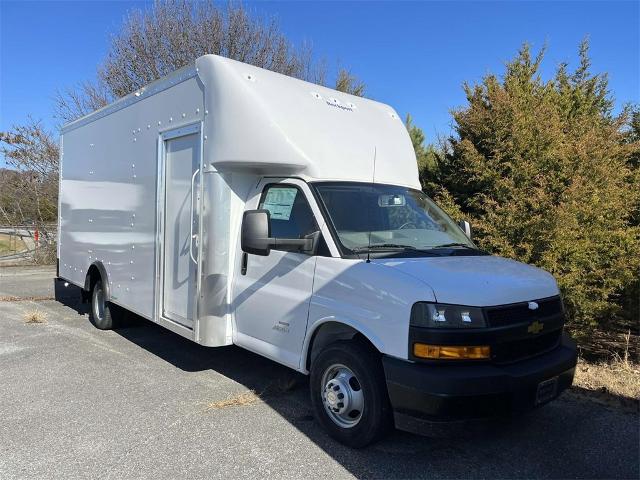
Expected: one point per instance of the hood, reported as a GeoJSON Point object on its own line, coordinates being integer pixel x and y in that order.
{"type": "Point", "coordinates": [477, 280]}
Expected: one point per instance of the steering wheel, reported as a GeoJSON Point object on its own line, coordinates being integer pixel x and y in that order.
{"type": "Point", "coordinates": [405, 225]}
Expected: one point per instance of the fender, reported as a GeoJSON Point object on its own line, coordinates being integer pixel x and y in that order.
{"type": "Point", "coordinates": [374, 339]}
{"type": "Point", "coordinates": [103, 276]}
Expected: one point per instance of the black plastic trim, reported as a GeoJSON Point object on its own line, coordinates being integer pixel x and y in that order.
{"type": "Point", "coordinates": [462, 391]}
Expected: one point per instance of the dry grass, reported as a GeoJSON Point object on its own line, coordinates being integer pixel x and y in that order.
{"type": "Point", "coordinates": [619, 377]}
{"type": "Point", "coordinates": [244, 399]}
{"type": "Point", "coordinates": [35, 316]}
{"type": "Point", "coordinates": [11, 244]}
{"type": "Point", "coordinates": [614, 378]}
{"type": "Point", "coordinates": [280, 386]}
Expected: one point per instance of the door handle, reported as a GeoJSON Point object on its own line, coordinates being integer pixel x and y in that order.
{"type": "Point", "coordinates": [245, 259]}
{"type": "Point", "coordinates": [192, 236]}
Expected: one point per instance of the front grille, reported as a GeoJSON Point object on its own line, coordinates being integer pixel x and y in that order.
{"type": "Point", "coordinates": [525, 347]}
{"type": "Point", "coordinates": [519, 312]}
{"type": "Point", "coordinates": [549, 313]}
{"type": "Point", "coordinates": [514, 332]}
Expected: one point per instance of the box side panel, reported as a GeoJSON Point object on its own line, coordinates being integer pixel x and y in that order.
{"type": "Point", "coordinates": [108, 192]}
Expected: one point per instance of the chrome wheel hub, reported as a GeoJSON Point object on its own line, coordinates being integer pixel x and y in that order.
{"type": "Point", "coordinates": [342, 396]}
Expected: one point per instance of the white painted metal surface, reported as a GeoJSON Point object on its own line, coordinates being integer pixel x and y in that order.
{"type": "Point", "coordinates": [277, 125]}
{"type": "Point", "coordinates": [108, 191]}
{"type": "Point", "coordinates": [284, 282]}
{"type": "Point", "coordinates": [477, 281]}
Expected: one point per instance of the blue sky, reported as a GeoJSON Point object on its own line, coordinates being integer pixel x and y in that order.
{"type": "Point", "coordinates": [413, 55]}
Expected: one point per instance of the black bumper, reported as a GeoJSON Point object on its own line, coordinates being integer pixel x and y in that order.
{"type": "Point", "coordinates": [426, 393]}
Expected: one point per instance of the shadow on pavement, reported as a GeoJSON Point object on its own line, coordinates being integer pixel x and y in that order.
{"type": "Point", "coordinates": [564, 439]}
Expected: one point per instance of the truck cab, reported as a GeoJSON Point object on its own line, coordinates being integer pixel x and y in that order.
{"type": "Point", "coordinates": [373, 290]}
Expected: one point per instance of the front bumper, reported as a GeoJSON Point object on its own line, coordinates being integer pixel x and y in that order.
{"type": "Point", "coordinates": [426, 393]}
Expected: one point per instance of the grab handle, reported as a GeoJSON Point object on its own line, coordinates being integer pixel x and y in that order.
{"type": "Point", "coordinates": [192, 235]}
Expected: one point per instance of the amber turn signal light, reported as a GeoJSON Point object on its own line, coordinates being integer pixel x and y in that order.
{"type": "Point", "coordinates": [451, 352]}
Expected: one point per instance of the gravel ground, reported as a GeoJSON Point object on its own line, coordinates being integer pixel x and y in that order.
{"type": "Point", "coordinates": [76, 402]}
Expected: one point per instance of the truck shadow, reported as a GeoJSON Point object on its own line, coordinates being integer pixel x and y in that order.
{"type": "Point", "coordinates": [550, 442]}
{"type": "Point", "coordinates": [562, 440]}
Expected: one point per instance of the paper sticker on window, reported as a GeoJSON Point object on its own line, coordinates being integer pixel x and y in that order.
{"type": "Point", "coordinates": [279, 202]}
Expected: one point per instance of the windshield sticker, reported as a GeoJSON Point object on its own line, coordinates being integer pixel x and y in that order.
{"type": "Point", "coordinates": [279, 202]}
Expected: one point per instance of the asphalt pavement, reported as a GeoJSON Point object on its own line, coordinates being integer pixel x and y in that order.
{"type": "Point", "coordinates": [76, 402]}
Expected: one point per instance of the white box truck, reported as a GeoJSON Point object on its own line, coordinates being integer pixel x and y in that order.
{"type": "Point", "coordinates": [234, 205]}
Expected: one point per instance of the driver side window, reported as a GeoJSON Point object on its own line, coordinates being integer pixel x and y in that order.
{"type": "Point", "coordinates": [290, 213]}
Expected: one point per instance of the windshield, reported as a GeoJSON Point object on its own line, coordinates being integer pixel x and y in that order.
{"type": "Point", "coordinates": [374, 217]}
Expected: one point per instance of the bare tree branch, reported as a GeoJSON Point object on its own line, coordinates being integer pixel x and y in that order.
{"type": "Point", "coordinates": [153, 43]}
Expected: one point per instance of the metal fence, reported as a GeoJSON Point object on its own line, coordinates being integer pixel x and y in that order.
{"type": "Point", "coordinates": [25, 243]}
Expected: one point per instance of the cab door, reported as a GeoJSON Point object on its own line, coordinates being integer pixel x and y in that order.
{"type": "Point", "coordinates": [272, 293]}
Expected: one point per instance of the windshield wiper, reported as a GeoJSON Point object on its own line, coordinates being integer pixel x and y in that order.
{"type": "Point", "coordinates": [454, 244]}
{"type": "Point", "coordinates": [390, 246]}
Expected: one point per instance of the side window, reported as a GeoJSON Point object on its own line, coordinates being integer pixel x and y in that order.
{"type": "Point", "coordinates": [291, 215]}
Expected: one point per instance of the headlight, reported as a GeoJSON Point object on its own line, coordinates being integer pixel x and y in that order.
{"type": "Point", "coordinates": [438, 315]}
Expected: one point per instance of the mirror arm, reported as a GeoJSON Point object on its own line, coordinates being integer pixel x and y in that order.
{"type": "Point", "coordinates": [308, 244]}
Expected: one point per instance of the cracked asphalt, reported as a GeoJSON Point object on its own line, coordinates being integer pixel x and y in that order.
{"type": "Point", "coordinates": [76, 402]}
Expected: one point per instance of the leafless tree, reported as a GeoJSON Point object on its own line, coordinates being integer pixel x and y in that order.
{"type": "Point", "coordinates": [29, 190]}
{"type": "Point", "coordinates": [155, 42]}
{"type": "Point", "coordinates": [347, 82]}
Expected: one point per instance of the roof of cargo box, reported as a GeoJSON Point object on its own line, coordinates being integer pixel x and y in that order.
{"type": "Point", "coordinates": [268, 121]}
{"type": "Point", "coordinates": [262, 121]}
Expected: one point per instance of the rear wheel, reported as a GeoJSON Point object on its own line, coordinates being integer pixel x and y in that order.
{"type": "Point", "coordinates": [103, 315]}
{"type": "Point", "coordinates": [349, 394]}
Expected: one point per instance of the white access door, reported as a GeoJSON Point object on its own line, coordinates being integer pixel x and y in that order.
{"type": "Point", "coordinates": [179, 264]}
{"type": "Point", "coordinates": [271, 297]}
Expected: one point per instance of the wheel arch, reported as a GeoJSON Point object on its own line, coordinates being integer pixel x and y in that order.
{"type": "Point", "coordinates": [331, 330]}
{"type": "Point", "coordinates": [95, 272]}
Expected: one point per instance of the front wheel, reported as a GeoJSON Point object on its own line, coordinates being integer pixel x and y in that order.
{"type": "Point", "coordinates": [349, 394]}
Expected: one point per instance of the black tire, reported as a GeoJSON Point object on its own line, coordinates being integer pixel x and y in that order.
{"type": "Point", "coordinates": [103, 315]}
{"type": "Point", "coordinates": [375, 419]}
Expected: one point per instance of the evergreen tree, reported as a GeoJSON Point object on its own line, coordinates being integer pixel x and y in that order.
{"type": "Point", "coordinates": [426, 154]}
{"type": "Point", "coordinates": [546, 171]}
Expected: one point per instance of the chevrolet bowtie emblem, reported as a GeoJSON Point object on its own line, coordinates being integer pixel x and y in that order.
{"type": "Point", "coordinates": [535, 327]}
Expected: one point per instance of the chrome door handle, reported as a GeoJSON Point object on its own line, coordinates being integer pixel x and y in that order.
{"type": "Point", "coordinates": [192, 235]}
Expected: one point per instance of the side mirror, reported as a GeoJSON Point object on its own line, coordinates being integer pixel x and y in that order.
{"type": "Point", "coordinates": [466, 227]}
{"type": "Point", "coordinates": [256, 230]}
{"type": "Point", "coordinates": [256, 236]}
